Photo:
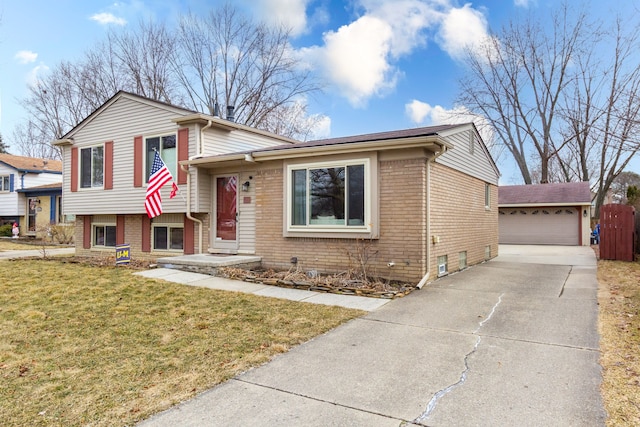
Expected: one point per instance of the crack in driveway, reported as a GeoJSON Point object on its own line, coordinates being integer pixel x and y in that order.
{"type": "Point", "coordinates": [463, 377]}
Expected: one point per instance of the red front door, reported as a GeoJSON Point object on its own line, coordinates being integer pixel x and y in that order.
{"type": "Point", "coordinates": [226, 211]}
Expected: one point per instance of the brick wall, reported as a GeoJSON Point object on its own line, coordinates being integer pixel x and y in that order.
{"type": "Point", "coordinates": [133, 236]}
{"type": "Point", "coordinates": [402, 228]}
{"type": "Point", "coordinates": [460, 219]}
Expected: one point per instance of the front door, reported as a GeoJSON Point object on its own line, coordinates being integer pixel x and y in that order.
{"type": "Point", "coordinates": [32, 212]}
{"type": "Point", "coordinates": [225, 229]}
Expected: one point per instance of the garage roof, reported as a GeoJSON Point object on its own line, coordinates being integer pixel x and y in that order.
{"type": "Point", "coordinates": [568, 193]}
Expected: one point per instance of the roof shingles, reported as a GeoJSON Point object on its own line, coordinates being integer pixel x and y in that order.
{"type": "Point", "coordinates": [570, 193]}
{"type": "Point", "coordinates": [31, 163]}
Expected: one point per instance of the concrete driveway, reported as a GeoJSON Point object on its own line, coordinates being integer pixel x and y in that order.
{"type": "Point", "coordinates": [510, 342]}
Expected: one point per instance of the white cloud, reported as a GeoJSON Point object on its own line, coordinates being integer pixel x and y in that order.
{"type": "Point", "coordinates": [354, 58]}
{"type": "Point", "coordinates": [360, 58]}
{"type": "Point", "coordinates": [106, 18]}
{"type": "Point", "coordinates": [34, 75]}
{"type": "Point", "coordinates": [462, 28]}
{"type": "Point", "coordinates": [422, 113]}
{"type": "Point", "coordinates": [290, 13]}
{"type": "Point", "coordinates": [26, 56]}
{"type": "Point", "coordinates": [322, 128]}
{"type": "Point", "coordinates": [522, 3]}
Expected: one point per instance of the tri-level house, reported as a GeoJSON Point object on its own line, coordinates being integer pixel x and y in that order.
{"type": "Point", "coordinates": [421, 202]}
{"type": "Point", "coordinates": [30, 192]}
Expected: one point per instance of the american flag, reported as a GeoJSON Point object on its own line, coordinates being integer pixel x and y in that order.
{"type": "Point", "coordinates": [160, 175]}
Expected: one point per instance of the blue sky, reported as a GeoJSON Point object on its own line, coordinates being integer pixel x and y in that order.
{"type": "Point", "coordinates": [386, 64]}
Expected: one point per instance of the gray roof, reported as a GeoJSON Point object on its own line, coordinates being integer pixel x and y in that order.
{"type": "Point", "coordinates": [380, 136]}
{"type": "Point", "coordinates": [570, 193]}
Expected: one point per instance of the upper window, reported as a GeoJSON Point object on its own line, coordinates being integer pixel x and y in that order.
{"type": "Point", "coordinates": [5, 183]}
{"type": "Point", "coordinates": [326, 197]}
{"type": "Point", "coordinates": [92, 167]}
{"type": "Point", "coordinates": [166, 146]}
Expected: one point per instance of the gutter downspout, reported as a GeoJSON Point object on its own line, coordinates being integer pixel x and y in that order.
{"type": "Point", "coordinates": [424, 279]}
{"type": "Point", "coordinates": [199, 145]}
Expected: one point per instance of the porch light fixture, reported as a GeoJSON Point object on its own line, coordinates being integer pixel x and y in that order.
{"type": "Point", "coordinates": [584, 213]}
{"type": "Point", "coordinates": [245, 186]}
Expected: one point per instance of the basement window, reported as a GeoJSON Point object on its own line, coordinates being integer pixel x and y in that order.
{"type": "Point", "coordinates": [462, 260]}
{"type": "Point", "coordinates": [443, 267]}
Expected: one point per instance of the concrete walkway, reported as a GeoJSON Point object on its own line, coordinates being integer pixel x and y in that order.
{"type": "Point", "coordinates": [510, 342]}
{"type": "Point", "coordinates": [36, 253]}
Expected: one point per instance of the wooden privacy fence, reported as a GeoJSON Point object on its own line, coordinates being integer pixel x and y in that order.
{"type": "Point", "coordinates": [617, 232]}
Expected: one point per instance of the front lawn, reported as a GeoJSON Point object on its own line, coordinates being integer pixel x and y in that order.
{"type": "Point", "coordinates": [83, 345]}
{"type": "Point", "coordinates": [619, 325]}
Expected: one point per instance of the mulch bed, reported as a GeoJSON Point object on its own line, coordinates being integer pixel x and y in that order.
{"type": "Point", "coordinates": [346, 283]}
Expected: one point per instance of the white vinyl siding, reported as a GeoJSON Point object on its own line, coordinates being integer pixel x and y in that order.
{"type": "Point", "coordinates": [247, 215]}
{"type": "Point", "coordinates": [474, 162]}
{"type": "Point", "coordinates": [121, 122]}
{"type": "Point", "coordinates": [217, 141]}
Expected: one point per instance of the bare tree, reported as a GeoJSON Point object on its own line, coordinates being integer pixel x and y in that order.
{"type": "Point", "coordinates": [517, 79]}
{"type": "Point", "coordinates": [143, 60]}
{"type": "Point", "coordinates": [30, 142]}
{"type": "Point", "coordinates": [228, 60]}
{"type": "Point", "coordinates": [225, 59]}
{"type": "Point", "coordinates": [602, 112]}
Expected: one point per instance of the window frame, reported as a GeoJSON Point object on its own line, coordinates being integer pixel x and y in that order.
{"type": "Point", "coordinates": [92, 186]}
{"type": "Point", "coordinates": [169, 227]}
{"type": "Point", "coordinates": [171, 165]}
{"type": "Point", "coordinates": [487, 196]}
{"type": "Point", "coordinates": [442, 261]}
{"type": "Point", "coordinates": [4, 178]}
{"type": "Point", "coordinates": [368, 229]}
{"type": "Point", "coordinates": [104, 225]}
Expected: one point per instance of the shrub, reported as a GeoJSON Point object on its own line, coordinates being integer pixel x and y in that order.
{"type": "Point", "coordinates": [62, 233]}
{"type": "Point", "coordinates": [5, 230]}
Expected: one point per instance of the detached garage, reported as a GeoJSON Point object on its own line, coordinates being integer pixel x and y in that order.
{"type": "Point", "coordinates": [545, 214]}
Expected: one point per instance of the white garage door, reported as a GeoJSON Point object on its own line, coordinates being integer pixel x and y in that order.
{"type": "Point", "coordinates": [539, 226]}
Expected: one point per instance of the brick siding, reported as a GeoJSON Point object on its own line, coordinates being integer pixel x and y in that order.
{"type": "Point", "coordinates": [460, 219]}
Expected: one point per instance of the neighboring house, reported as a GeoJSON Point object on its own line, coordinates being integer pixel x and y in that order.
{"type": "Point", "coordinates": [545, 214]}
{"type": "Point", "coordinates": [409, 204]}
{"type": "Point", "coordinates": [30, 192]}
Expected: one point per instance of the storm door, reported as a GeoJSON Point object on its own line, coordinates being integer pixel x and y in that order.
{"type": "Point", "coordinates": [225, 228]}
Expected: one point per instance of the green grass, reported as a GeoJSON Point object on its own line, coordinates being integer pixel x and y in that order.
{"type": "Point", "coordinates": [619, 325]}
{"type": "Point", "coordinates": [82, 345]}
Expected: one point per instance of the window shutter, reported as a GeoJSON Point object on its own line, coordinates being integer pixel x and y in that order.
{"type": "Point", "coordinates": [189, 237]}
{"type": "Point", "coordinates": [183, 153]}
{"type": "Point", "coordinates": [74, 169]}
{"type": "Point", "coordinates": [138, 161]}
{"type": "Point", "coordinates": [146, 233]}
{"type": "Point", "coordinates": [86, 233]}
{"type": "Point", "coordinates": [11, 184]}
{"type": "Point", "coordinates": [120, 230]}
{"type": "Point", "coordinates": [108, 165]}
{"type": "Point", "coordinates": [52, 209]}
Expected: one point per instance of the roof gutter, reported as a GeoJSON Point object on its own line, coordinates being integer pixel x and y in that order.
{"type": "Point", "coordinates": [432, 143]}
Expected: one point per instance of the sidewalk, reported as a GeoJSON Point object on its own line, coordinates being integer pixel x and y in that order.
{"type": "Point", "coordinates": [220, 283]}
{"type": "Point", "coordinates": [36, 253]}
